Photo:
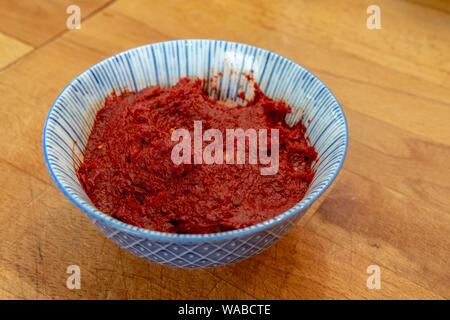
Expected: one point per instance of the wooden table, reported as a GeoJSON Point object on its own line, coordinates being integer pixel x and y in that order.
{"type": "Point", "coordinates": [389, 206]}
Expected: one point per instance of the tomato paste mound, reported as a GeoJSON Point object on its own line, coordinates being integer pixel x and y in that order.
{"type": "Point", "coordinates": [128, 172]}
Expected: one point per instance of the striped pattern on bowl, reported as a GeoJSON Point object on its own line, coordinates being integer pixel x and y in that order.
{"type": "Point", "coordinates": [72, 115]}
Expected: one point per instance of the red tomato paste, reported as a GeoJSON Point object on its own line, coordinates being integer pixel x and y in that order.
{"type": "Point", "coordinates": [128, 173]}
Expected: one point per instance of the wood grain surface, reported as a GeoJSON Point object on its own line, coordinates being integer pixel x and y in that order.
{"type": "Point", "coordinates": [388, 207]}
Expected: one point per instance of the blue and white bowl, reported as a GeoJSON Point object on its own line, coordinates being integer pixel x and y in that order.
{"type": "Point", "coordinates": [72, 116]}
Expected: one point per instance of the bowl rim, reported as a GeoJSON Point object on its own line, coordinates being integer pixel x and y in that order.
{"type": "Point", "coordinates": [94, 213]}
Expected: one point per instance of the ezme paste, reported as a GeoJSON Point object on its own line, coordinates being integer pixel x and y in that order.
{"type": "Point", "coordinates": [127, 170]}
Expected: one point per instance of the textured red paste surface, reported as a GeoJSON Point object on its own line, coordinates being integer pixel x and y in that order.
{"type": "Point", "coordinates": [128, 173]}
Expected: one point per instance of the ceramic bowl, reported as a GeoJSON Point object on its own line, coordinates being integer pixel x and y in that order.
{"type": "Point", "coordinates": [72, 115]}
